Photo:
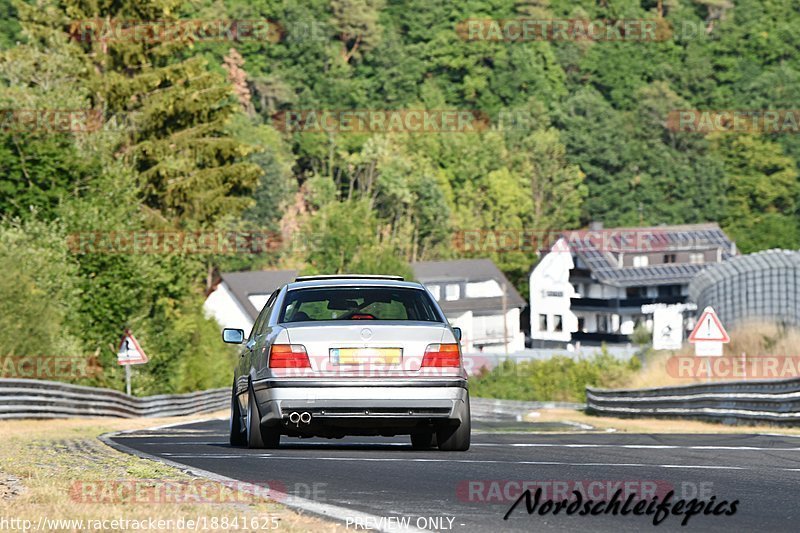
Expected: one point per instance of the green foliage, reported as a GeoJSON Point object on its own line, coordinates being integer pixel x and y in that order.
{"type": "Point", "coordinates": [189, 167]}
{"type": "Point", "coordinates": [641, 335]}
{"type": "Point", "coordinates": [561, 378]}
{"type": "Point", "coordinates": [9, 25]}
{"type": "Point", "coordinates": [157, 297]}
{"type": "Point", "coordinates": [763, 193]}
{"type": "Point", "coordinates": [187, 354]}
{"type": "Point", "coordinates": [40, 171]}
{"type": "Point", "coordinates": [40, 291]}
{"type": "Point", "coordinates": [276, 183]}
{"type": "Point", "coordinates": [345, 237]}
{"type": "Point", "coordinates": [180, 161]}
{"type": "Point", "coordinates": [577, 133]}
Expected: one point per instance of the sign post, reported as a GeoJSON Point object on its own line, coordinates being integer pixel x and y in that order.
{"type": "Point", "coordinates": [708, 336]}
{"type": "Point", "coordinates": [130, 353]}
{"type": "Point", "coordinates": [667, 324]}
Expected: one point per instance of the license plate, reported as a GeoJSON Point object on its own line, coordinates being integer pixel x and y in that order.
{"type": "Point", "coordinates": [358, 356]}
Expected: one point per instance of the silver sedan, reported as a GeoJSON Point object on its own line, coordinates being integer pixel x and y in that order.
{"type": "Point", "coordinates": [330, 356]}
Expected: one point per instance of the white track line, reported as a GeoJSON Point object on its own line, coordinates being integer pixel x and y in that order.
{"type": "Point", "coordinates": [469, 461]}
{"type": "Point", "coordinates": [376, 445]}
{"type": "Point", "coordinates": [635, 446]}
{"type": "Point", "coordinates": [335, 512]}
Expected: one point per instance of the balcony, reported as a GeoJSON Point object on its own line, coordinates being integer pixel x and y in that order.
{"type": "Point", "coordinates": [597, 338]}
{"type": "Point", "coordinates": [622, 303]}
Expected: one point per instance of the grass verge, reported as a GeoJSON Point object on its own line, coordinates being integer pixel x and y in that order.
{"type": "Point", "coordinates": [46, 465]}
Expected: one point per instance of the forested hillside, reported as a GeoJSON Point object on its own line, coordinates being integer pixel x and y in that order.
{"type": "Point", "coordinates": [577, 131]}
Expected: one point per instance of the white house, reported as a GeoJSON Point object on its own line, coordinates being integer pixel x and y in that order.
{"type": "Point", "coordinates": [592, 284]}
{"type": "Point", "coordinates": [551, 295]}
{"type": "Point", "coordinates": [240, 296]}
{"type": "Point", "coordinates": [473, 294]}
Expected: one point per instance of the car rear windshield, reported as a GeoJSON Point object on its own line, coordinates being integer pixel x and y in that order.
{"type": "Point", "coordinates": [358, 303]}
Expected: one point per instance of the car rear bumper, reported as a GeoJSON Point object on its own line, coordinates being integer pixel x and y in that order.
{"type": "Point", "coordinates": [362, 401]}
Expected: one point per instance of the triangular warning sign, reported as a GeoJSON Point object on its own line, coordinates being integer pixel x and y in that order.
{"type": "Point", "coordinates": [130, 353]}
{"type": "Point", "coordinates": [709, 328]}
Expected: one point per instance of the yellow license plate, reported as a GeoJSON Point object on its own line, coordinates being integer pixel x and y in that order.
{"type": "Point", "coordinates": [358, 356]}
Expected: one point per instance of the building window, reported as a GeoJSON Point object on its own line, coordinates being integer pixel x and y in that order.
{"type": "Point", "coordinates": [451, 292]}
{"type": "Point", "coordinates": [557, 323]}
{"type": "Point", "coordinates": [542, 322]}
{"type": "Point", "coordinates": [697, 258]}
{"type": "Point", "coordinates": [669, 258]}
{"type": "Point", "coordinates": [636, 292]}
{"type": "Point", "coordinates": [581, 324]}
{"type": "Point", "coordinates": [435, 291]}
{"type": "Point", "coordinates": [602, 323]}
{"type": "Point", "coordinates": [640, 261]}
{"type": "Point", "coordinates": [669, 290]}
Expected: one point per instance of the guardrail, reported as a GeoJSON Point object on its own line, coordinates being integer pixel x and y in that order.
{"type": "Point", "coordinates": [771, 401]}
{"type": "Point", "coordinates": [32, 398]}
{"type": "Point", "coordinates": [493, 408]}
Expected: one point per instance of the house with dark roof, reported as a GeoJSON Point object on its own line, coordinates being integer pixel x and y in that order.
{"type": "Point", "coordinates": [239, 296]}
{"type": "Point", "coordinates": [591, 285]}
{"type": "Point", "coordinates": [473, 294]}
{"type": "Point", "coordinates": [476, 296]}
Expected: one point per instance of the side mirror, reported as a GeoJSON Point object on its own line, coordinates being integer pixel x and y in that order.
{"type": "Point", "coordinates": [233, 336]}
{"type": "Point", "coordinates": [457, 333]}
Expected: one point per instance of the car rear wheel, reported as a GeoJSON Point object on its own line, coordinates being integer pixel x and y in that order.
{"type": "Point", "coordinates": [237, 437]}
{"type": "Point", "coordinates": [454, 438]}
{"type": "Point", "coordinates": [423, 439]}
{"type": "Point", "coordinates": [258, 437]}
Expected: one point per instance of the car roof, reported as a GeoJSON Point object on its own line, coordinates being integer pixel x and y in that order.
{"type": "Point", "coordinates": [352, 282]}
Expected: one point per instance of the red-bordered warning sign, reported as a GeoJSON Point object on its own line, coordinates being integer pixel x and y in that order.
{"type": "Point", "coordinates": [709, 328]}
{"type": "Point", "coordinates": [130, 353]}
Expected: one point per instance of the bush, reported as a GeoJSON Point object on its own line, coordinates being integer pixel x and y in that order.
{"type": "Point", "coordinates": [39, 290]}
{"type": "Point", "coordinates": [641, 335]}
{"type": "Point", "coordinates": [558, 379]}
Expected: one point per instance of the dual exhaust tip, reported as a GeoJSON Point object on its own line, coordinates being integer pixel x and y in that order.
{"type": "Point", "coordinates": [300, 418]}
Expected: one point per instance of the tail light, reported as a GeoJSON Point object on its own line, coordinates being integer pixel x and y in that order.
{"type": "Point", "coordinates": [442, 355]}
{"type": "Point", "coordinates": [288, 356]}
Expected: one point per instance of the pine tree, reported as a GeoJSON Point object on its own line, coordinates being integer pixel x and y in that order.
{"type": "Point", "coordinates": [190, 167]}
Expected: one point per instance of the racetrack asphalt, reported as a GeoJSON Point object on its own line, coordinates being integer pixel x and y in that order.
{"type": "Point", "coordinates": [473, 490]}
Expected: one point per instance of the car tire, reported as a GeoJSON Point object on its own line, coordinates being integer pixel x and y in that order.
{"type": "Point", "coordinates": [423, 440]}
{"type": "Point", "coordinates": [258, 437]}
{"type": "Point", "coordinates": [237, 437]}
{"type": "Point", "coordinates": [456, 438]}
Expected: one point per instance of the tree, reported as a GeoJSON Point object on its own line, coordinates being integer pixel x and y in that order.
{"type": "Point", "coordinates": [763, 193]}
{"type": "Point", "coordinates": [237, 77]}
{"type": "Point", "coordinates": [356, 22]}
{"type": "Point", "coordinates": [557, 188]}
{"type": "Point", "coordinates": [40, 291]}
{"type": "Point", "coordinates": [40, 161]}
{"type": "Point", "coordinates": [191, 170]}
{"type": "Point", "coordinates": [600, 142]}
{"type": "Point", "coordinates": [346, 237]}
